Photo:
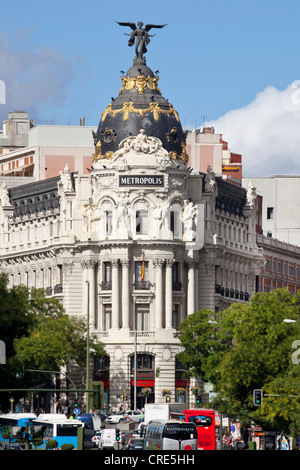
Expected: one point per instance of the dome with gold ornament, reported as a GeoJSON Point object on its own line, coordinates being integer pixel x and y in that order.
{"type": "Point", "coordinates": [139, 105]}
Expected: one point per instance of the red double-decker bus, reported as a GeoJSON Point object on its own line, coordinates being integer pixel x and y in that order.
{"type": "Point", "coordinates": [206, 426]}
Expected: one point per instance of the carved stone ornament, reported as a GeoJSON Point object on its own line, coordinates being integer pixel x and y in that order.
{"type": "Point", "coordinates": [143, 144]}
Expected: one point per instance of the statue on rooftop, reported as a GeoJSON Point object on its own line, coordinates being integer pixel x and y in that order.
{"type": "Point", "coordinates": [140, 36]}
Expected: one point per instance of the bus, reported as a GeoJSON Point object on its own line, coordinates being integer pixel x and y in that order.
{"type": "Point", "coordinates": [57, 427]}
{"type": "Point", "coordinates": [170, 435]}
{"type": "Point", "coordinates": [206, 426]}
{"type": "Point", "coordinates": [11, 423]}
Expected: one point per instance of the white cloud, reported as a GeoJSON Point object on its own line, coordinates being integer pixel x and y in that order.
{"type": "Point", "coordinates": [266, 132]}
{"type": "Point", "coordinates": [33, 79]}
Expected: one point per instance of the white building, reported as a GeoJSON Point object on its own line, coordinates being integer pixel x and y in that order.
{"type": "Point", "coordinates": [139, 242]}
{"type": "Point", "coordinates": [280, 206]}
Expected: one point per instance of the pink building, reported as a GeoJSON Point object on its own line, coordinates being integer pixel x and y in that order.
{"type": "Point", "coordinates": [49, 149]}
{"type": "Point", "coordinates": [205, 148]}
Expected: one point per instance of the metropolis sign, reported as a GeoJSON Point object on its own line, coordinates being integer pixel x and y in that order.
{"type": "Point", "coordinates": [141, 180]}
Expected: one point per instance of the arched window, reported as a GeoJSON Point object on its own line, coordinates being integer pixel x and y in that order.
{"type": "Point", "coordinates": [175, 220]}
{"type": "Point", "coordinates": [107, 210]}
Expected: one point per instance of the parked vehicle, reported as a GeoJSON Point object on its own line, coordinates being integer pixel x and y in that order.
{"type": "Point", "coordinates": [108, 439]}
{"type": "Point", "coordinates": [133, 415]}
{"type": "Point", "coordinates": [115, 419]}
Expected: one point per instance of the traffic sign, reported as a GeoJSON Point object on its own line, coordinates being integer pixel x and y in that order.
{"type": "Point", "coordinates": [77, 411]}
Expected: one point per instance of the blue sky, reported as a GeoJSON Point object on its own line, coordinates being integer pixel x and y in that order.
{"type": "Point", "coordinates": [236, 62]}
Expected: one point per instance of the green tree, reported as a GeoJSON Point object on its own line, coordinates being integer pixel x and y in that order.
{"type": "Point", "coordinates": [252, 350]}
{"type": "Point", "coordinates": [54, 341]}
{"type": "Point", "coordinates": [37, 335]}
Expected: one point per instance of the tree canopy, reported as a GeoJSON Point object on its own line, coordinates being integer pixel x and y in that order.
{"type": "Point", "coordinates": [38, 335]}
{"type": "Point", "coordinates": [247, 347]}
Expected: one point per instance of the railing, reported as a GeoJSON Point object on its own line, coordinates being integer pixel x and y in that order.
{"type": "Point", "coordinates": [177, 285]}
{"type": "Point", "coordinates": [58, 289]}
{"type": "Point", "coordinates": [142, 285]}
{"type": "Point", "coordinates": [231, 293]}
{"type": "Point", "coordinates": [106, 285]}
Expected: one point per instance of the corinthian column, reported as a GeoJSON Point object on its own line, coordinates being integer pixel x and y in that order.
{"type": "Point", "coordinates": [115, 293]}
{"type": "Point", "coordinates": [158, 293]}
{"type": "Point", "coordinates": [169, 293]}
{"type": "Point", "coordinates": [125, 293]}
{"type": "Point", "coordinates": [191, 287]}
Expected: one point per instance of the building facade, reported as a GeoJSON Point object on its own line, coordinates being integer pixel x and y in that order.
{"type": "Point", "coordinates": [137, 244]}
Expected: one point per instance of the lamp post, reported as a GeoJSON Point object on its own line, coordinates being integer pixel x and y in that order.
{"type": "Point", "coordinates": [88, 348]}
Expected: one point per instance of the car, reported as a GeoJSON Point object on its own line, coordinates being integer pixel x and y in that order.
{"type": "Point", "coordinates": [133, 415]}
{"type": "Point", "coordinates": [135, 443]}
{"type": "Point", "coordinates": [115, 419]}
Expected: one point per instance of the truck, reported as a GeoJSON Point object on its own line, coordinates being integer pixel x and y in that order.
{"type": "Point", "coordinates": [160, 411]}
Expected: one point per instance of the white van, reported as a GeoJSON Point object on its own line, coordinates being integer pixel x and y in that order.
{"type": "Point", "coordinates": [107, 439]}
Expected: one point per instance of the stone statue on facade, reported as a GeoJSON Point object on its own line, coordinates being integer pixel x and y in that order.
{"type": "Point", "coordinates": [189, 213]}
{"type": "Point", "coordinates": [4, 197]}
{"type": "Point", "coordinates": [65, 179]}
{"type": "Point", "coordinates": [140, 36]}
{"type": "Point", "coordinates": [122, 216]}
{"type": "Point", "coordinates": [251, 194]}
{"type": "Point", "coordinates": [210, 180]}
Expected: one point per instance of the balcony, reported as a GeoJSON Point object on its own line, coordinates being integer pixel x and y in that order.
{"type": "Point", "coordinates": [48, 291]}
{"type": "Point", "coordinates": [142, 285]}
{"type": "Point", "coordinates": [58, 288]}
{"type": "Point", "coordinates": [105, 285]}
{"type": "Point", "coordinates": [177, 285]}
{"type": "Point", "coordinates": [231, 293]}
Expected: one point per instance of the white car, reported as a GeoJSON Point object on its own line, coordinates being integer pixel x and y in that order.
{"type": "Point", "coordinates": [115, 419]}
{"type": "Point", "coordinates": [135, 416]}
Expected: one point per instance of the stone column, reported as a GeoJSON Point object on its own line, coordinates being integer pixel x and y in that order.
{"type": "Point", "coordinates": [191, 287]}
{"type": "Point", "coordinates": [169, 293]}
{"type": "Point", "coordinates": [158, 293]}
{"type": "Point", "coordinates": [125, 293]}
{"type": "Point", "coordinates": [115, 293]}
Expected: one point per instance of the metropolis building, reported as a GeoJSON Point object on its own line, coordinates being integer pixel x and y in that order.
{"type": "Point", "coordinates": [136, 245]}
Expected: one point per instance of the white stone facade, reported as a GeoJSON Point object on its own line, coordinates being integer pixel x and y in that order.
{"type": "Point", "coordinates": [140, 243]}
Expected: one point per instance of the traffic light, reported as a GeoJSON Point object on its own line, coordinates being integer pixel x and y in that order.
{"type": "Point", "coordinates": [198, 400]}
{"type": "Point", "coordinates": [118, 434]}
{"type": "Point", "coordinates": [257, 397]}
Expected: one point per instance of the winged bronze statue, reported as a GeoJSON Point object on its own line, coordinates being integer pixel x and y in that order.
{"type": "Point", "coordinates": [140, 36]}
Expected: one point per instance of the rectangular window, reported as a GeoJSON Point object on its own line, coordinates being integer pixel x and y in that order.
{"type": "Point", "coordinates": [141, 219]}
{"type": "Point", "coordinates": [175, 315]}
{"type": "Point", "coordinates": [175, 223]}
{"type": "Point", "coordinates": [176, 276]}
{"type": "Point", "coordinates": [107, 316]}
{"type": "Point", "coordinates": [108, 222]}
{"type": "Point", "coordinates": [106, 283]}
{"type": "Point", "coordinates": [270, 213]}
{"type": "Point", "coordinates": [142, 317]}
{"type": "Point", "coordinates": [141, 274]}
